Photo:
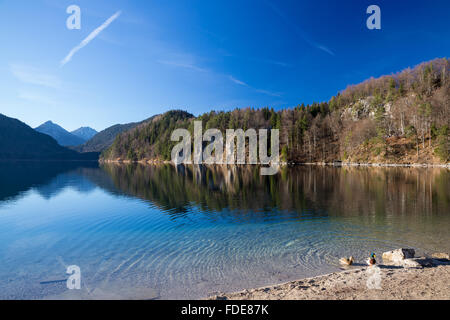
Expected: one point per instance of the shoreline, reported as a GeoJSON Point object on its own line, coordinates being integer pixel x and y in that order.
{"type": "Point", "coordinates": [290, 164]}
{"type": "Point", "coordinates": [430, 281]}
{"type": "Point", "coordinates": [331, 164]}
{"type": "Point", "coordinates": [356, 164]}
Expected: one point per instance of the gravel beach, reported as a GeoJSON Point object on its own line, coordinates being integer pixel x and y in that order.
{"type": "Point", "coordinates": [396, 283]}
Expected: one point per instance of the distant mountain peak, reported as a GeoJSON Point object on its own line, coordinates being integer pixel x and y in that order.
{"type": "Point", "coordinates": [85, 133]}
{"type": "Point", "coordinates": [61, 135]}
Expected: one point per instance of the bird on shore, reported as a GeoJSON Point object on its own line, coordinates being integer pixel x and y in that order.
{"type": "Point", "coordinates": [346, 261]}
{"type": "Point", "coordinates": [371, 261]}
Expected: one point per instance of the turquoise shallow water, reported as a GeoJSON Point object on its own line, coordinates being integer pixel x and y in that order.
{"type": "Point", "coordinates": [163, 232]}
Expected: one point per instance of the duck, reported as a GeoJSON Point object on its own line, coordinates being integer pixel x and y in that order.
{"type": "Point", "coordinates": [347, 261]}
{"type": "Point", "coordinates": [371, 260]}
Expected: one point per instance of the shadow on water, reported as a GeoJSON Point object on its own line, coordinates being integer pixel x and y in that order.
{"type": "Point", "coordinates": [18, 177]}
{"type": "Point", "coordinates": [241, 193]}
{"type": "Point", "coordinates": [328, 191]}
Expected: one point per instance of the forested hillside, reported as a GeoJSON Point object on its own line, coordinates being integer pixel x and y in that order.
{"type": "Point", "coordinates": [400, 118]}
{"type": "Point", "coordinates": [150, 139]}
{"type": "Point", "coordinates": [20, 142]}
{"type": "Point", "coordinates": [105, 138]}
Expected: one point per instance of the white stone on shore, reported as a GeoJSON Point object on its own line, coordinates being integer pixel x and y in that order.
{"type": "Point", "coordinates": [410, 263]}
{"type": "Point", "coordinates": [398, 255]}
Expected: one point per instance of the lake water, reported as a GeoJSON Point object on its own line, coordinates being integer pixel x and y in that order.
{"type": "Point", "coordinates": [162, 232]}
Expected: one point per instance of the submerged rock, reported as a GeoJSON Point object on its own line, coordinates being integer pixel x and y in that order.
{"type": "Point", "coordinates": [398, 255]}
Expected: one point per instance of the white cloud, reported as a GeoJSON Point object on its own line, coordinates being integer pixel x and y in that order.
{"type": "Point", "coordinates": [34, 76]}
{"type": "Point", "coordinates": [298, 30]}
{"type": "Point", "coordinates": [273, 62]}
{"type": "Point", "coordinates": [90, 37]}
{"type": "Point", "coordinates": [182, 60]}
{"type": "Point", "coordinates": [38, 98]}
{"type": "Point", "coordinates": [323, 48]}
{"type": "Point", "coordinates": [237, 81]}
{"type": "Point", "coordinates": [181, 64]}
{"type": "Point", "coordinates": [269, 93]}
{"type": "Point", "coordinates": [188, 61]}
{"type": "Point", "coordinates": [266, 92]}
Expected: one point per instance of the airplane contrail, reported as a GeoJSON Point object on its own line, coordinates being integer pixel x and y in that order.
{"type": "Point", "coordinates": [90, 37]}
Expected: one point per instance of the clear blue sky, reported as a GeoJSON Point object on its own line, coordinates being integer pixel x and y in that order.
{"type": "Point", "coordinates": [200, 55]}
